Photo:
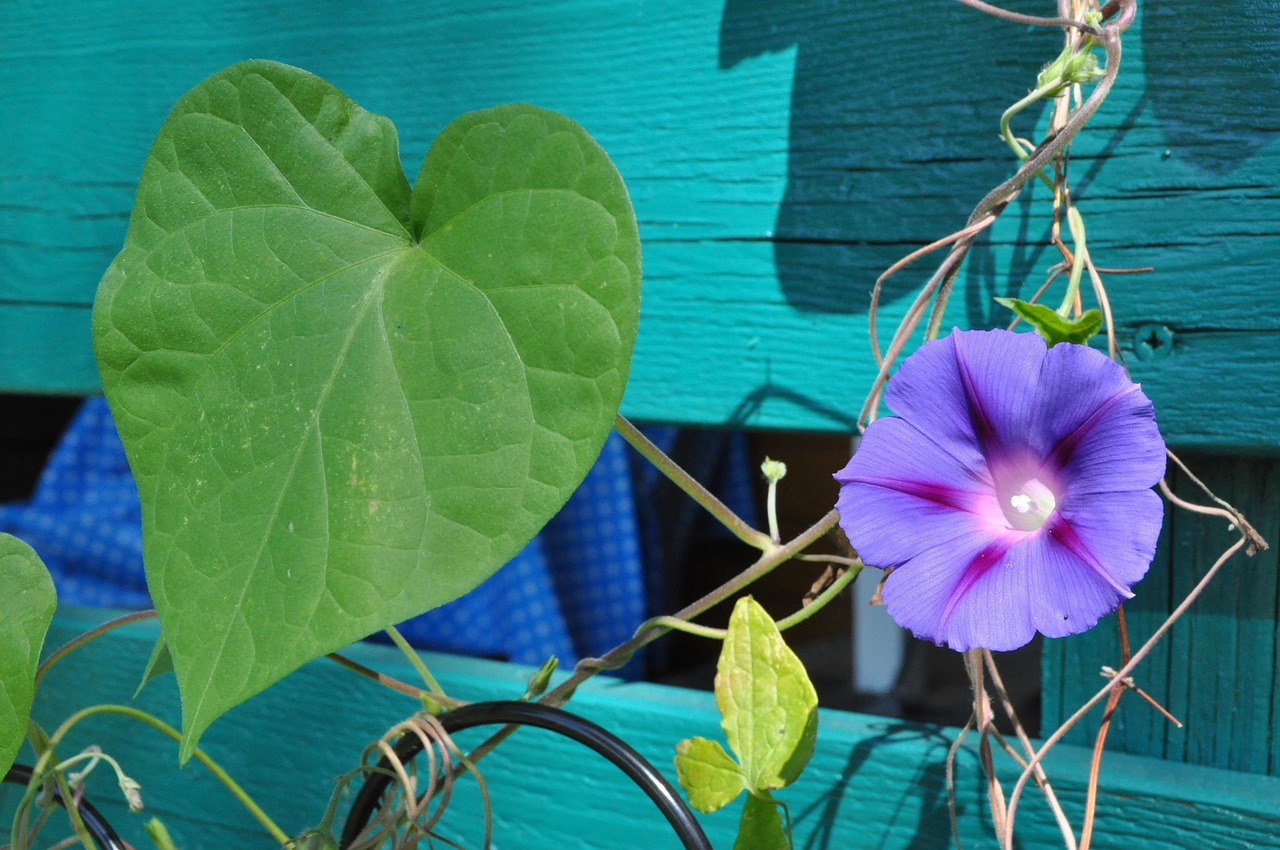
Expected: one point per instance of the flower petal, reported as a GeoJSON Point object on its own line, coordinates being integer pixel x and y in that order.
{"type": "Point", "coordinates": [963, 595]}
{"type": "Point", "coordinates": [970, 391]}
{"type": "Point", "coordinates": [1065, 595]}
{"type": "Point", "coordinates": [902, 491]}
{"type": "Point", "coordinates": [1115, 449]}
{"type": "Point", "coordinates": [1074, 382]}
{"type": "Point", "coordinates": [997, 598]}
{"type": "Point", "coordinates": [1119, 530]}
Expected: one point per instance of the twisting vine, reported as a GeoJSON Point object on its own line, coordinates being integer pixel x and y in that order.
{"type": "Point", "coordinates": [1085, 24]}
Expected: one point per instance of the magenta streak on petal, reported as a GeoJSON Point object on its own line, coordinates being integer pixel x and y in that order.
{"type": "Point", "coordinates": [979, 566]}
{"type": "Point", "coordinates": [1061, 454]}
{"type": "Point", "coordinates": [978, 417]}
{"type": "Point", "coordinates": [950, 497]}
{"type": "Point", "coordinates": [1060, 531]}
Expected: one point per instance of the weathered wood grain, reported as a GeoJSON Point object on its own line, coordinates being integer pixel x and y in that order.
{"type": "Point", "coordinates": [872, 783]}
{"type": "Point", "coordinates": [778, 159]}
{"type": "Point", "coordinates": [1216, 670]}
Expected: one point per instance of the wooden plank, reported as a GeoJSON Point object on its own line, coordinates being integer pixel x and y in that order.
{"type": "Point", "coordinates": [1071, 670]}
{"type": "Point", "coordinates": [1216, 670]}
{"type": "Point", "coordinates": [772, 175]}
{"type": "Point", "coordinates": [873, 782]}
{"type": "Point", "coordinates": [40, 350]}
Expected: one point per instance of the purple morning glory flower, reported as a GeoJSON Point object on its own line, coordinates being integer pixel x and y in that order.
{"type": "Point", "coordinates": [1010, 494]}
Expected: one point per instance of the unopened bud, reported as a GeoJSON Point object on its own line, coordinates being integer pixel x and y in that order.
{"type": "Point", "coordinates": [774, 470]}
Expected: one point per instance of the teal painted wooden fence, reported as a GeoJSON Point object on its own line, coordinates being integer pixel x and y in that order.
{"type": "Point", "coordinates": [779, 157]}
{"type": "Point", "coordinates": [873, 782]}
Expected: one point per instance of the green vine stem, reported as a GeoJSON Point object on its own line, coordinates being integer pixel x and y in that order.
{"type": "Point", "coordinates": [416, 660]}
{"type": "Point", "coordinates": [690, 485]}
{"type": "Point", "coordinates": [42, 763]}
{"type": "Point", "coordinates": [1030, 20]}
{"type": "Point", "coordinates": [21, 829]}
{"type": "Point", "coordinates": [994, 202]}
{"type": "Point", "coordinates": [648, 632]}
{"type": "Point", "coordinates": [819, 602]}
{"type": "Point", "coordinates": [94, 633]}
{"type": "Point", "coordinates": [1007, 134]}
{"type": "Point", "coordinates": [1076, 222]}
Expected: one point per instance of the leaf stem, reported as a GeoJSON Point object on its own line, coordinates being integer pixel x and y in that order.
{"type": "Point", "coordinates": [690, 485]}
{"type": "Point", "coordinates": [94, 633]}
{"type": "Point", "coordinates": [390, 681]}
{"type": "Point", "coordinates": [649, 632]}
{"type": "Point", "coordinates": [819, 602]}
{"type": "Point", "coordinates": [416, 660]}
{"type": "Point", "coordinates": [1078, 263]}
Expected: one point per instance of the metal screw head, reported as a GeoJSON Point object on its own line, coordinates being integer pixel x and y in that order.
{"type": "Point", "coordinates": [1152, 341]}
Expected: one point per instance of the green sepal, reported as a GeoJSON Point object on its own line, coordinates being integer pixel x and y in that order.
{"type": "Point", "coordinates": [541, 678]}
{"type": "Point", "coordinates": [1052, 327]}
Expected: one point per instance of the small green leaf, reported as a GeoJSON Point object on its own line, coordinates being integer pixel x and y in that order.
{"type": "Point", "coordinates": [346, 402]}
{"type": "Point", "coordinates": [768, 706]}
{"type": "Point", "coordinates": [1052, 328]}
{"type": "Point", "coordinates": [710, 777]}
{"type": "Point", "coordinates": [761, 827]}
{"type": "Point", "coordinates": [26, 607]}
{"type": "Point", "coordinates": [158, 664]}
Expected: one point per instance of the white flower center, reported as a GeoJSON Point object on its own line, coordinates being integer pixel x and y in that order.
{"type": "Point", "coordinates": [1030, 506]}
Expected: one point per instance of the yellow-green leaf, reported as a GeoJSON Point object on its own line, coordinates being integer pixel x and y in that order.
{"type": "Point", "coordinates": [768, 706]}
{"type": "Point", "coordinates": [761, 827]}
{"type": "Point", "coordinates": [710, 777]}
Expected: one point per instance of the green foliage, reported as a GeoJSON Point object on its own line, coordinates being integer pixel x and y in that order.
{"type": "Point", "coordinates": [769, 713]}
{"type": "Point", "coordinates": [1052, 327]}
{"type": "Point", "coordinates": [708, 774]}
{"type": "Point", "coordinates": [346, 402]}
{"type": "Point", "coordinates": [26, 607]}
{"type": "Point", "coordinates": [761, 827]}
{"type": "Point", "coordinates": [160, 663]}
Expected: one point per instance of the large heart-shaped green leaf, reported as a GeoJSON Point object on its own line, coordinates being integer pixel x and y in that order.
{"type": "Point", "coordinates": [26, 607]}
{"type": "Point", "coordinates": [345, 402]}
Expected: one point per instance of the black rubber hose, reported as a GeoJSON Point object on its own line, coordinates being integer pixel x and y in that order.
{"type": "Point", "coordinates": [99, 830]}
{"type": "Point", "coordinates": [626, 759]}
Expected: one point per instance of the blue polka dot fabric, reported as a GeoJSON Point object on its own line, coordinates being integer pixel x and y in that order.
{"type": "Point", "coordinates": [580, 587]}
